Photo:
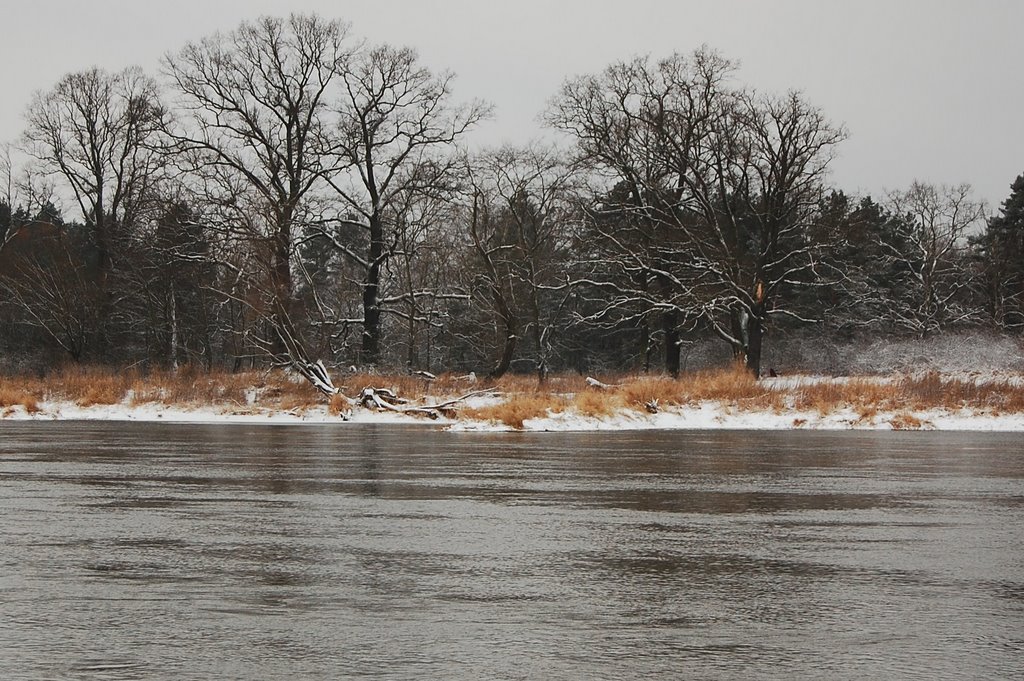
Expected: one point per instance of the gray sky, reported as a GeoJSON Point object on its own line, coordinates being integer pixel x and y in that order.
{"type": "Point", "coordinates": [929, 89]}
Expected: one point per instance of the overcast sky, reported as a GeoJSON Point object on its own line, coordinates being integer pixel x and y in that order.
{"type": "Point", "coordinates": [929, 89]}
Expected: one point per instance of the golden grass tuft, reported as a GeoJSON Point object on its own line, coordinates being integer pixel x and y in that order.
{"type": "Point", "coordinates": [733, 386]}
{"type": "Point", "coordinates": [338, 405]}
{"type": "Point", "coordinates": [30, 404]}
{"type": "Point", "coordinates": [640, 391]}
{"type": "Point", "coordinates": [594, 403]}
{"type": "Point", "coordinates": [25, 393]}
{"type": "Point", "coordinates": [866, 396]}
{"type": "Point", "coordinates": [191, 386]}
{"type": "Point", "coordinates": [19, 396]}
{"type": "Point", "coordinates": [867, 413]}
{"type": "Point", "coordinates": [92, 386]}
{"type": "Point", "coordinates": [517, 409]}
{"type": "Point", "coordinates": [906, 421]}
{"type": "Point", "coordinates": [10, 396]}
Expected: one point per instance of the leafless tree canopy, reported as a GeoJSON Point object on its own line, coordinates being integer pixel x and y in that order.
{"type": "Point", "coordinates": [285, 193]}
{"type": "Point", "coordinates": [94, 131]}
{"type": "Point", "coordinates": [710, 192]}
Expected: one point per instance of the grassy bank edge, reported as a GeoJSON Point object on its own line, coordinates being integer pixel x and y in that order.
{"type": "Point", "coordinates": [517, 399]}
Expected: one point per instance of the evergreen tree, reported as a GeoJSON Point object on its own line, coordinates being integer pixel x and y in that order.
{"type": "Point", "coordinates": [1003, 255]}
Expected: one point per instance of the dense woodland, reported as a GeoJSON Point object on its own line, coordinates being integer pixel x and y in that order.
{"type": "Point", "coordinates": [287, 193]}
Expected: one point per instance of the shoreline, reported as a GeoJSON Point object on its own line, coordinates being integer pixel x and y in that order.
{"type": "Point", "coordinates": [727, 399]}
{"type": "Point", "coordinates": [707, 415]}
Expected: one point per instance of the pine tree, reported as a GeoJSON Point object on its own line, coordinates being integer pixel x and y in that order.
{"type": "Point", "coordinates": [1003, 248]}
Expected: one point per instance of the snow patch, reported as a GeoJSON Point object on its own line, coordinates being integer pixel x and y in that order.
{"type": "Point", "coordinates": [702, 416]}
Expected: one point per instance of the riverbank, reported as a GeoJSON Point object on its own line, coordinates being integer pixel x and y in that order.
{"type": "Point", "coordinates": [725, 399]}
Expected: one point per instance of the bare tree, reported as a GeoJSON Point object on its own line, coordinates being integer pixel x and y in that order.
{"type": "Point", "coordinates": [423, 283]}
{"type": "Point", "coordinates": [758, 204]}
{"type": "Point", "coordinates": [523, 206]}
{"type": "Point", "coordinates": [256, 135]}
{"type": "Point", "coordinates": [712, 194]}
{"type": "Point", "coordinates": [93, 130]}
{"type": "Point", "coordinates": [7, 198]}
{"type": "Point", "coordinates": [640, 128]}
{"type": "Point", "coordinates": [927, 252]}
{"type": "Point", "coordinates": [397, 131]}
{"type": "Point", "coordinates": [51, 290]}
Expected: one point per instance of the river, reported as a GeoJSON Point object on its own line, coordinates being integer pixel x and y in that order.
{"type": "Point", "coordinates": [158, 551]}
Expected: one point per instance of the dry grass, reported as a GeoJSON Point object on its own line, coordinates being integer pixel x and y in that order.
{"type": "Point", "coordinates": [910, 393]}
{"type": "Point", "coordinates": [864, 395]}
{"type": "Point", "coordinates": [30, 404]}
{"type": "Point", "coordinates": [932, 391]}
{"type": "Point", "coordinates": [192, 386]}
{"type": "Point", "coordinates": [15, 395]}
{"type": "Point", "coordinates": [189, 387]}
{"type": "Point", "coordinates": [338, 405]}
{"type": "Point", "coordinates": [90, 386]}
{"type": "Point", "coordinates": [906, 421]}
{"type": "Point", "coordinates": [735, 385]}
{"type": "Point", "coordinates": [409, 385]}
{"type": "Point", "coordinates": [23, 392]}
{"type": "Point", "coordinates": [593, 403]}
{"type": "Point", "coordinates": [637, 392]}
{"type": "Point", "coordinates": [871, 399]}
{"type": "Point", "coordinates": [9, 396]}
{"type": "Point", "coordinates": [526, 398]}
{"type": "Point", "coordinates": [519, 408]}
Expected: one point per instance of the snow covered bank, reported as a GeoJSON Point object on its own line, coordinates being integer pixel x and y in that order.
{"type": "Point", "coordinates": [710, 416]}
{"type": "Point", "coordinates": [704, 416]}
{"type": "Point", "coordinates": [158, 413]}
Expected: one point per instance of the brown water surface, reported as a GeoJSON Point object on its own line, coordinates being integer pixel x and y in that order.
{"type": "Point", "coordinates": [151, 551]}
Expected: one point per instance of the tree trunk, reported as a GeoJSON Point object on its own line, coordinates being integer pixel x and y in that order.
{"type": "Point", "coordinates": [508, 349]}
{"type": "Point", "coordinates": [648, 345]}
{"type": "Point", "coordinates": [371, 295]}
{"type": "Point", "coordinates": [755, 333]}
{"type": "Point", "coordinates": [509, 323]}
{"type": "Point", "coordinates": [100, 236]}
{"type": "Point", "coordinates": [748, 329]}
{"type": "Point", "coordinates": [672, 353]}
{"type": "Point", "coordinates": [281, 283]}
{"type": "Point", "coordinates": [410, 355]}
{"type": "Point", "coordinates": [173, 350]}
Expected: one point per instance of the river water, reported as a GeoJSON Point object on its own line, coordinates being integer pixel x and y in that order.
{"type": "Point", "coordinates": [145, 551]}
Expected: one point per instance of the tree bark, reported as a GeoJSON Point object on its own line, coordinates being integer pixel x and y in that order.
{"type": "Point", "coordinates": [748, 329]}
{"type": "Point", "coordinates": [672, 354]}
{"type": "Point", "coordinates": [508, 351]}
{"type": "Point", "coordinates": [371, 295]}
{"type": "Point", "coordinates": [281, 276]}
{"type": "Point", "coordinates": [755, 333]}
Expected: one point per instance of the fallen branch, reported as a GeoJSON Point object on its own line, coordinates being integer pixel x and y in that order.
{"type": "Point", "coordinates": [382, 398]}
{"type": "Point", "coordinates": [594, 383]}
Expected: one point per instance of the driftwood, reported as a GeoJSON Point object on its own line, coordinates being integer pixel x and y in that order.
{"type": "Point", "coordinates": [382, 398]}
{"type": "Point", "coordinates": [371, 398]}
{"type": "Point", "coordinates": [594, 383]}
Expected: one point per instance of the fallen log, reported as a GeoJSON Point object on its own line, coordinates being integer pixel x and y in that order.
{"type": "Point", "coordinates": [382, 398]}
{"type": "Point", "coordinates": [600, 385]}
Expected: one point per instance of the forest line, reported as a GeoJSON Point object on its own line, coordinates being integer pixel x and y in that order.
{"type": "Point", "coordinates": [287, 194]}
